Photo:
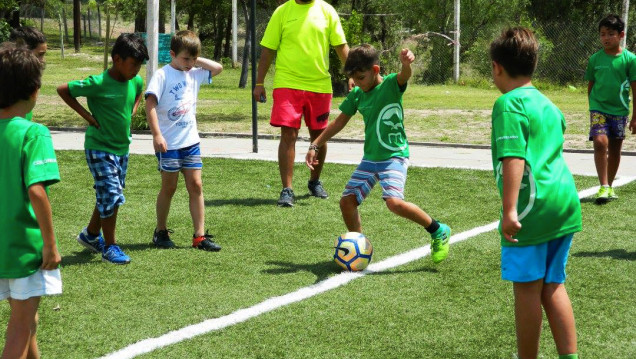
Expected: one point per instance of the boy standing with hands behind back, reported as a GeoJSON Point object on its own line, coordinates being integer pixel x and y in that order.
{"type": "Point", "coordinates": [610, 72]}
{"type": "Point", "coordinates": [171, 105]}
{"type": "Point", "coordinates": [541, 209]}
{"type": "Point", "coordinates": [112, 97]}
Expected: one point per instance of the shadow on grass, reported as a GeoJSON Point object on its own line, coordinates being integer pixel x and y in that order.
{"type": "Point", "coordinates": [252, 202]}
{"type": "Point", "coordinates": [322, 270]}
{"type": "Point", "coordinates": [619, 254]}
{"type": "Point", "coordinates": [86, 256]}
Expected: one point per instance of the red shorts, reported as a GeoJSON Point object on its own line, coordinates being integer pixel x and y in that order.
{"type": "Point", "coordinates": [290, 105]}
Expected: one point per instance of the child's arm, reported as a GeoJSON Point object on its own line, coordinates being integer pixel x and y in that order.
{"type": "Point", "coordinates": [632, 123]}
{"type": "Point", "coordinates": [407, 58]}
{"type": "Point", "coordinates": [334, 127]}
{"type": "Point", "coordinates": [42, 208]}
{"type": "Point", "coordinates": [214, 67]}
{"type": "Point", "coordinates": [158, 142]}
{"type": "Point", "coordinates": [137, 101]}
{"type": "Point", "coordinates": [513, 168]}
{"type": "Point", "coordinates": [72, 102]}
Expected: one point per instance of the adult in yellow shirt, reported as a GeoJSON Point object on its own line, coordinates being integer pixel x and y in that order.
{"type": "Point", "coordinates": [299, 34]}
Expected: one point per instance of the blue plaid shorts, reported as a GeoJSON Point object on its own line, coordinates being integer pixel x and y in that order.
{"type": "Point", "coordinates": [109, 173]}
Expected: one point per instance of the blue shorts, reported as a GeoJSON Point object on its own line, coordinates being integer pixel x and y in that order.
{"type": "Point", "coordinates": [543, 261]}
{"type": "Point", "coordinates": [609, 125]}
{"type": "Point", "coordinates": [175, 160]}
{"type": "Point", "coordinates": [391, 174]}
{"type": "Point", "coordinates": [109, 173]}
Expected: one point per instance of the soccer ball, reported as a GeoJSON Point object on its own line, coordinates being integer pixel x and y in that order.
{"type": "Point", "coordinates": [353, 251]}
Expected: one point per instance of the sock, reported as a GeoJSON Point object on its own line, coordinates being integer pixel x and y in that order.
{"type": "Point", "coordinates": [606, 186]}
{"type": "Point", "coordinates": [91, 236]}
{"type": "Point", "coordinates": [433, 227]}
{"type": "Point", "coordinates": [569, 356]}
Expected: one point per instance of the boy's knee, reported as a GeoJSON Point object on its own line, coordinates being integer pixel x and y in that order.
{"type": "Point", "coordinates": [394, 205]}
{"type": "Point", "coordinates": [348, 203]}
{"type": "Point", "coordinates": [195, 186]}
{"type": "Point", "coordinates": [169, 190]}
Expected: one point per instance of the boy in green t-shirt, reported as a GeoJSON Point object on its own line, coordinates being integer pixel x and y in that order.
{"type": "Point", "coordinates": [610, 74]}
{"type": "Point", "coordinates": [112, 97]}
{"type": "Point", "coordinates": [541, 209]}
{"type": "Point", "coordinates": [35, 41]}
{"type": "Point", "coordinates": [29, 258]}
{"type": "Point", "coordinates": [386, 150]}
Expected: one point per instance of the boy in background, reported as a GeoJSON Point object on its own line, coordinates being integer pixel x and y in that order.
{"type": "Point", "coordinates": [171, 104]}
{"type": "Point", "coordinates": [386, 150]}
{"type": "Point", "coordinates": [35, 41]}
{"type": "Point", "coordinates": [541, 209]}
{"type": "Point", "coordinates": [610, 73]}
{"type": "Point", "coordinates": [29, 258]}
{"type": "Point", "coordinates": [112, 97]}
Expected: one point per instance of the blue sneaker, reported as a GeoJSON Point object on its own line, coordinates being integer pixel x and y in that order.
{"type": "Point", "coordinates": [440, 244]}
{"type": "Point", "coordinates": [114, 254]}
{"type": "Point", "coordinates": [92, 243]}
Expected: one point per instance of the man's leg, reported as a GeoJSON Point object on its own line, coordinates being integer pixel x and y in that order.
{"type": "Point", "coordinates": [287, 154]}
{"type": "Point", "coordinates": [528, 317]}
{"type": "Point", "coordinates": [20, 341]}
{"type": "Point", "coordinates": [322, 154]}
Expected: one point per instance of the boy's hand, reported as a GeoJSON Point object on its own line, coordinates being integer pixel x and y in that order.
{"type": "Point", "coordinates": [510, 226]}
{"type": "Point", "coordinates": [93, 122]}
{"type": "Point", "coordinates": [159, 144]}
{"type": "Point", "coordinates": [406, 57]}
{"type": "Point", "coordinates": [51, 258]}
{"type": "Point", "coordinates": [632, 125]}
{"type": "Point", "coordinates": [311, 158]}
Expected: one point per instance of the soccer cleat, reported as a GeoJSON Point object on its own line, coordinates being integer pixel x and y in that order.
{"type": "Point", "coordinates": [113, 254]}
{"type": "Point", "coordinates": [440, 243]}
{"type": "Point", "coordinates": [316, 189]}
{"type": "Point", "coordinates": [611, 194]}
{"type": "Point", "coordinates": [92, 243]}
{"type": "Point", "coordinates": [161, 239]}
{"type": "Point", "coordinates": [205, 243]}
{"type": "Point", "coordinates": [286, 198]}
{"type": "Point", "coordinates": [603, 195]}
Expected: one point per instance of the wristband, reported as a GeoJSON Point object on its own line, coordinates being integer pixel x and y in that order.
{"type": "Point", "coordinates": [313, 147]}
{"type": "Point", "coordinates": [259, 85]}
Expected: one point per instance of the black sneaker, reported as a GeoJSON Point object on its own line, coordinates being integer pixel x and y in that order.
{"type": "Point", "coordinates": [316, 189]}
{"type": "Point", "coordinates": [286, 198]}
{"type": "Point", "coordinates": [161, 239]}
{"type": "Point", "coordinates": [205, 243]}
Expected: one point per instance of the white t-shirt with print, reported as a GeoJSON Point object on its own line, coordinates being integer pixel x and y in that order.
{"type": "Point", "coordinates": [177, 92]}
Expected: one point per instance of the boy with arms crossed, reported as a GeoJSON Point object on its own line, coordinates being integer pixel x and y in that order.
{"type": "Point", "coordinates": [171, 104]}
{"type": "Point", "coordinates": [29, 257]}
{"type": "Point", "coordinates": [541, 208]}
{"type": "Point", "coordinates": [610, 72]}
{"type": "Point", "coordinates": [112, 97]}
{"type": "Point", "coordinates": [386, 150]}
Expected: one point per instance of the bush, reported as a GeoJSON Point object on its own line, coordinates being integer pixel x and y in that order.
{"type": "Point", "coordinates": [138, 121]}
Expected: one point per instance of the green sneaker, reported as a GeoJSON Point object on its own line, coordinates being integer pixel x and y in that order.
{"type": "Point", "coordinates": [611, 194]}
{"type": "Point", "coordinates": [603, 194]}
{"type": "Point", "coordinates": [440, 244]}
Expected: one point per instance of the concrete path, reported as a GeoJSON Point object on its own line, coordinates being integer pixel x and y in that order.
{"type": "Point", "coordinates": [345, 152]}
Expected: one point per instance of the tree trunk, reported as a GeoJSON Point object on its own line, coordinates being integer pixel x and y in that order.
{"type": "Point", "coordinates": [90, 29]}
{"type": "Point", "coordinates": [162, 20]}
{"type": "Point", "coordinates": [246, 49]}
{"type": "Point", "coordinates": [99, 22]}
{"type": "Point", "coordinates": [65, 24]}
{"type": "Point", "coordinates": [228, 36]}
{"type": "Point", "coordinates": [218, 36]}
{"type": "Point", "coordinates": [77, 25]}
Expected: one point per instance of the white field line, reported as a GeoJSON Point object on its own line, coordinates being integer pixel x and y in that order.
{"type": "Point", "coordinates": [242, 315]}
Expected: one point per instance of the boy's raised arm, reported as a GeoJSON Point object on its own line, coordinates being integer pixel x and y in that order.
{"type": "Point", "coordinates": [42, 208]}
{"type": "Point", "coordinates": [214, 67]}
{"type": "Point", "coordinates": [72, 102]}
{"type": "Point", "coordinates": [406, 58]}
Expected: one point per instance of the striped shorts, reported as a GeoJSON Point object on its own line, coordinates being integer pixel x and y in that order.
{"type": "Point", "coordinates": [109, 173]}
{"type": "Point", "coordinates": [175, 160]}
{"type": "Point", "coordinates": [391, 174]}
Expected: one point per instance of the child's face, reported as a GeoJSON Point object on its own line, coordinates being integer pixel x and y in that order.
{"type": "Point", "coordinates": [40, 51]}
{"type": "Point", "coordinates": [128, 68]}
{"type": "Point", "coordinates": [610, 38]}
{"type": "Point", "coordinates": [183, 61]}
{"type": "Point", "coordinates": [366, 80]}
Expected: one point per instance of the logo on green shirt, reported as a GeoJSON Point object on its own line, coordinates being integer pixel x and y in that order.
{"type": "Point", "coordinates": [391, 117]}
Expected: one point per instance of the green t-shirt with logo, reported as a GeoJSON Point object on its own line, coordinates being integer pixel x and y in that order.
{"type": "Point", "coordinates": [381, 109]}
{"type": "Point", "coordinates": [111, 103]}
{"type": "Point", "coordinates": [26, 158]}
{"type": "Point", "coordinates": [527, 125]}
{"type": "Point", "coordinates": [612, 77]}
{"type": "Point", "coordinates": [301, 35]}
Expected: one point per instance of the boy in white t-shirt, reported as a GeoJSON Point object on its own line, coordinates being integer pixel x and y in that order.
{"type": "Point", "coordinates": [171, 103]}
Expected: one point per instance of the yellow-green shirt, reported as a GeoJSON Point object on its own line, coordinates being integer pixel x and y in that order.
{"type": "Point", "coordinates": [301, 36]}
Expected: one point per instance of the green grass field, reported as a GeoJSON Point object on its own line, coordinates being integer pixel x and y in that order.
{"type": "Point", "coordinates": [441, 113]}
{"type": "Point", "coordinates": [458, 309]}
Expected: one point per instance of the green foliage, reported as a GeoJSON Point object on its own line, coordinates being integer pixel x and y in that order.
{"type": "Point", "coordinates": [5, 30]}
{"type": "Point", "coordinates": [138, 121]}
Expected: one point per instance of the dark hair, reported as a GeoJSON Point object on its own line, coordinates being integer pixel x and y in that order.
{"type": "Point", "coordinates": [517, 50]}
{"type": "Point", "coordinates": [361, 58]}
{"type": "Point", "coordinates": [27, 36]}
{"type": "Point", "coordinates": [613, 22]}
{"type": "Point", "coordinates": [20, 74]}
{"type": "Point", "coordinates": [130, 45]}
{"type": "Point", "coordinates": [186, 40]}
